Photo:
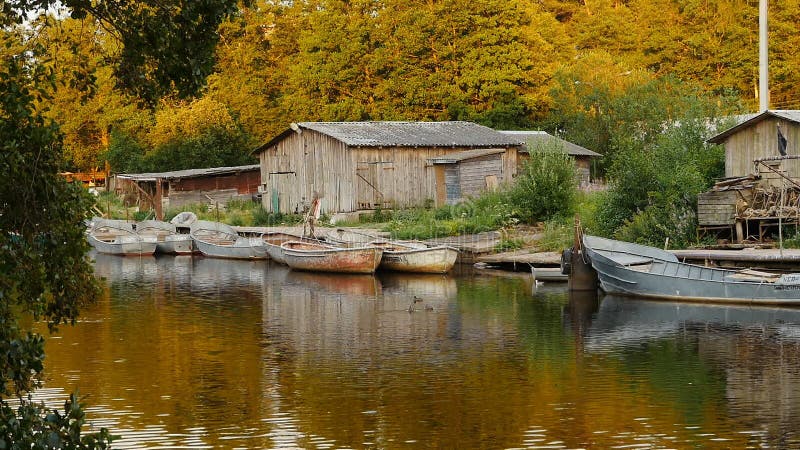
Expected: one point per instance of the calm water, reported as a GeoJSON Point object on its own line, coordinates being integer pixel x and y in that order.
{"type": "Point", "coordinates": [203, 353]}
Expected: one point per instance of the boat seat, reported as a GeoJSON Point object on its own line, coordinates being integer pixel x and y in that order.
{"type": "Point", "coordinates": [753, 275]}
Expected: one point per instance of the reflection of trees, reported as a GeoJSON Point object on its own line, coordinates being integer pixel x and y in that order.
{"type": "Point", "coordinates": [171, 342]}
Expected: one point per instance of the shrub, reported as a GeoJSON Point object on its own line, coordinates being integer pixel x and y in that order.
{"type": "Point", "coordinates": [545, 188]}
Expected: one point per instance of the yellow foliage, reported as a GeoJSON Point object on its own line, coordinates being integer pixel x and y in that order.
{"type": "Point", "coordinates": [186, 120]}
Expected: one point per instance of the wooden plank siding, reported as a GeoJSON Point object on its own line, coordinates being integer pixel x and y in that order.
{"type": "Point", "coordinates": [351, 178]}
{"type": "Point", "coordinates": [759, 141]}
{"type": "Point", "coordinates": [473, 173]}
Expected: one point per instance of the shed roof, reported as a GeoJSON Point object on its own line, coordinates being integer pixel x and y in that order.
{"type": "Point", "coordinates": [749, 120]}
{"type": "Point", "coordinates": [543, 137]}
{"type": "Point", "coordinates": [189, 173]}
{"type": "Point", "coordinates": [452, 158]}
{"type": "Point", "coordinates": [405, 134]}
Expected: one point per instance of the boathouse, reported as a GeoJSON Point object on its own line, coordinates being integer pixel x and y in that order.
{"type": "Point", "coordinates": [541, 139]}
{"type": "Point", "coordinates": [761, 188]}
{"type": "Point", "coordinates": [355, 166]}
{"type": "Point", "coordinates": [213, 186]}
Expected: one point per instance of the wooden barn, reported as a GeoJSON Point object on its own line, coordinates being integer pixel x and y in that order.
{"type": "Point", "coordinates": [761, 187]}
{"type": "Point", "coordinates": [582, 156]}
{"type": "Point", "coordinates": [354, 166]}
{"type": "Point", "coordinates": [216, 185]}
{"type": "Point", "coordinates": [757, 137]}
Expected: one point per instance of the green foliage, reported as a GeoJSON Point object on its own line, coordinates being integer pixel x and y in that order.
{"type": "Point", "coordinates": [125, 154]}
{"type": "Point", "coordinates": [509, 243]}
{"type": "Point", "coordinates": [266, 218]}
{"type": "Point", "coordinates": [44, 270]}
{"type": "Point", "coordinates": [558, 234]}
{"type": "Point", "coordinates": [647, 203]}
{"type": "Point", "coordinates": [545, 187]}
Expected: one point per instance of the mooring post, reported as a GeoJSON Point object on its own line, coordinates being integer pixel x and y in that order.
{"type": "Point", "coordinates": [582, 276]}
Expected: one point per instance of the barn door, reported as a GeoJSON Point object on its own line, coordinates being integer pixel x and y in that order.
{"type": "Point", "coordinates": [280, 191]}
{"type": "Point", "coordinates": [369, 176]}
{"type": "Point", "coordinates": [452, 184]}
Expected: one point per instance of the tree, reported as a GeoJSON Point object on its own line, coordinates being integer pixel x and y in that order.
{"type": "Point", "coordinates": [44, 270]}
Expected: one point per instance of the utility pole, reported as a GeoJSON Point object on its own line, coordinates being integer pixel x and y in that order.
{"type": "Point", "coordinates": [763, 60]}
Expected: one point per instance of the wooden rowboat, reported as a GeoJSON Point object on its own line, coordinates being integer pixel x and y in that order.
{"type": "Point", "coordinates": [118, 237]}
{"type": "Point", "coordinates": [416, 257]}
{"type": "Point", "coordinates": [273, 241]}
{"type": "Point", "coordinates": [217, 240]}
{"type": "Point", "coordinates": [351, 238]}
{"type": "Point", "coordinates": [328, 258]}
{"type": "Point", "coordinates": [169, 240]}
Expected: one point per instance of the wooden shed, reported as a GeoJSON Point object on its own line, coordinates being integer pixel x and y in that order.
{"type": "Point", "coordinates": [158, 191]}
{"type": "Point", "coordinates": [467, 174]}
{"type": "Point", "coordinates": [582, 156]}
{"type": "Point", "coordinates": [755, 137]}
{"type": "Point", "coordinates": [353, 166]}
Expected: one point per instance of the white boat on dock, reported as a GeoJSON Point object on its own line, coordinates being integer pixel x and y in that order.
{"type": "Point", "coordinates": [217, 240]}
{"type": "Point", "coordinates": [169, 240]}
{"type": "Point", "coordinates": [119, 237]}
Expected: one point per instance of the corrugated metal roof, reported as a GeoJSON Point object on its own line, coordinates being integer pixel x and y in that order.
{"type": "Point", "coordinates": [748, 120]}
{"type": "Point", "coordinates": [543, 137]}
{"type": "Point", "coordinates": [452, 158]}
{"type": "Point", "coordinates": [407, 134]}
{"type": "Point", "coordinates": [189, 173]}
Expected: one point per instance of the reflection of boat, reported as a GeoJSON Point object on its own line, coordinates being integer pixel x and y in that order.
{"type": "Point", "coordinates": [427, 286]}
{"type": "Point", "coordinates": [416, 257]}
{"type": "Point", "coordinates": [627, 322]}
{"type": "Point", "coordinates": [328, 258]}
{"type": "Point", "coordinates": [218, 240]}
{"type": "Point", "coordinates": [118, 237]}
{"type": "Point", "coordinates": [631, 269]}
{"type": "Point", "coordinates": [169, 240]}
{"type": "Point", "coordinates": [337, 283]}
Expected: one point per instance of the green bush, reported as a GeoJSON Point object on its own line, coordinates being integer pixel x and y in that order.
{"type": "Point", "coordinates": [546, 185]}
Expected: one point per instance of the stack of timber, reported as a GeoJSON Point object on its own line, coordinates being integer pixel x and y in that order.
{"type": "Point", "coordinates": [719, 206]}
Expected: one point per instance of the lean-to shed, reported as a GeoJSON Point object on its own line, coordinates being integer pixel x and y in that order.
{"type": "Point", "coordinates": [582, 156]}
{"type": "Point", "coordinates": [352, 166]}
{"type": "Point", "coordinates": [161, 190]}
{"type": "Point", "coordinates": [466, 174]}
{"type": "Point", "coordinates": [757, 137]}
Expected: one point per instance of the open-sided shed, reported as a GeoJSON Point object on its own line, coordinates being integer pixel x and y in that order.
{"type": "Point", "coordinates": [352, 166]}
{"type": "Point", "coordinates": [156, 191]}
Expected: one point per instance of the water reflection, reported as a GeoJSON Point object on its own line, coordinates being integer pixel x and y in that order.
{"type": "Point", "coordinates": [194, 352]}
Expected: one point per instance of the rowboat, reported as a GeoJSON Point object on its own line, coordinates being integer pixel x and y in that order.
{"type": "Point", "coordinates": [273, 241]}
{"type": "Point", "coordinates": [631, 269]}
{"type": "Point", "coordinates": [416, 257]}
{"type": "Point", "coordinates": [217, 240]}
{"type": "Point", "coordinates": [328, 258]}
{"type": "Point", "coordinates": [169, 239]}
{"type": "Point", "coordinates": [119, 237]}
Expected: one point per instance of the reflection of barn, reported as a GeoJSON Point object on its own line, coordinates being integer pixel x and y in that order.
{"type": "Point", "coordinates": [157, 191]}
{"type": "Point", "coordinates": [761, 188]}
{"type": "Point", "coordinates": [367, 165]}
{"type": "Point", "coordinates": [540, 139]}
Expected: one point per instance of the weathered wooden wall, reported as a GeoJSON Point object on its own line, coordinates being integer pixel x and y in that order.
{"type": "Point", "coordinates": [716, 208]}
{"type": "Point", "coordinates": [349, 179]}
{"type": "Point", "coordinates": [474, 172]}
{"type": "Point", "coordinates": [245, 182]}
{"type": "Point", "coordinates": [759, 141]}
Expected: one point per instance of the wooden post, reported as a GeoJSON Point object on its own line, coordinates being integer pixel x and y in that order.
{"type": "Point", "coordinates": [582, 276]}
{"type": "Point", "coordinates": [157, 200]}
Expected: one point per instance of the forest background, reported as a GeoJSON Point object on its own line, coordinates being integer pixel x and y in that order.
{"type": "Point", "coordinates": [582, 70]}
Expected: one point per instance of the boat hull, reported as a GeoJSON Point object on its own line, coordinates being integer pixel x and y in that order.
{"type": "Point", "coordinates": [243, 248]}
{"type": "Point", "coordinates": [124, 246]}
{"type": "Point", "coordinates": [327, 259]}
{"type": "Point", "coordinates": [180, 244]}
{"type": "Point", "coordinates": [422, 260]}
{"type": "Point", "coordinates": [673, 280]}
